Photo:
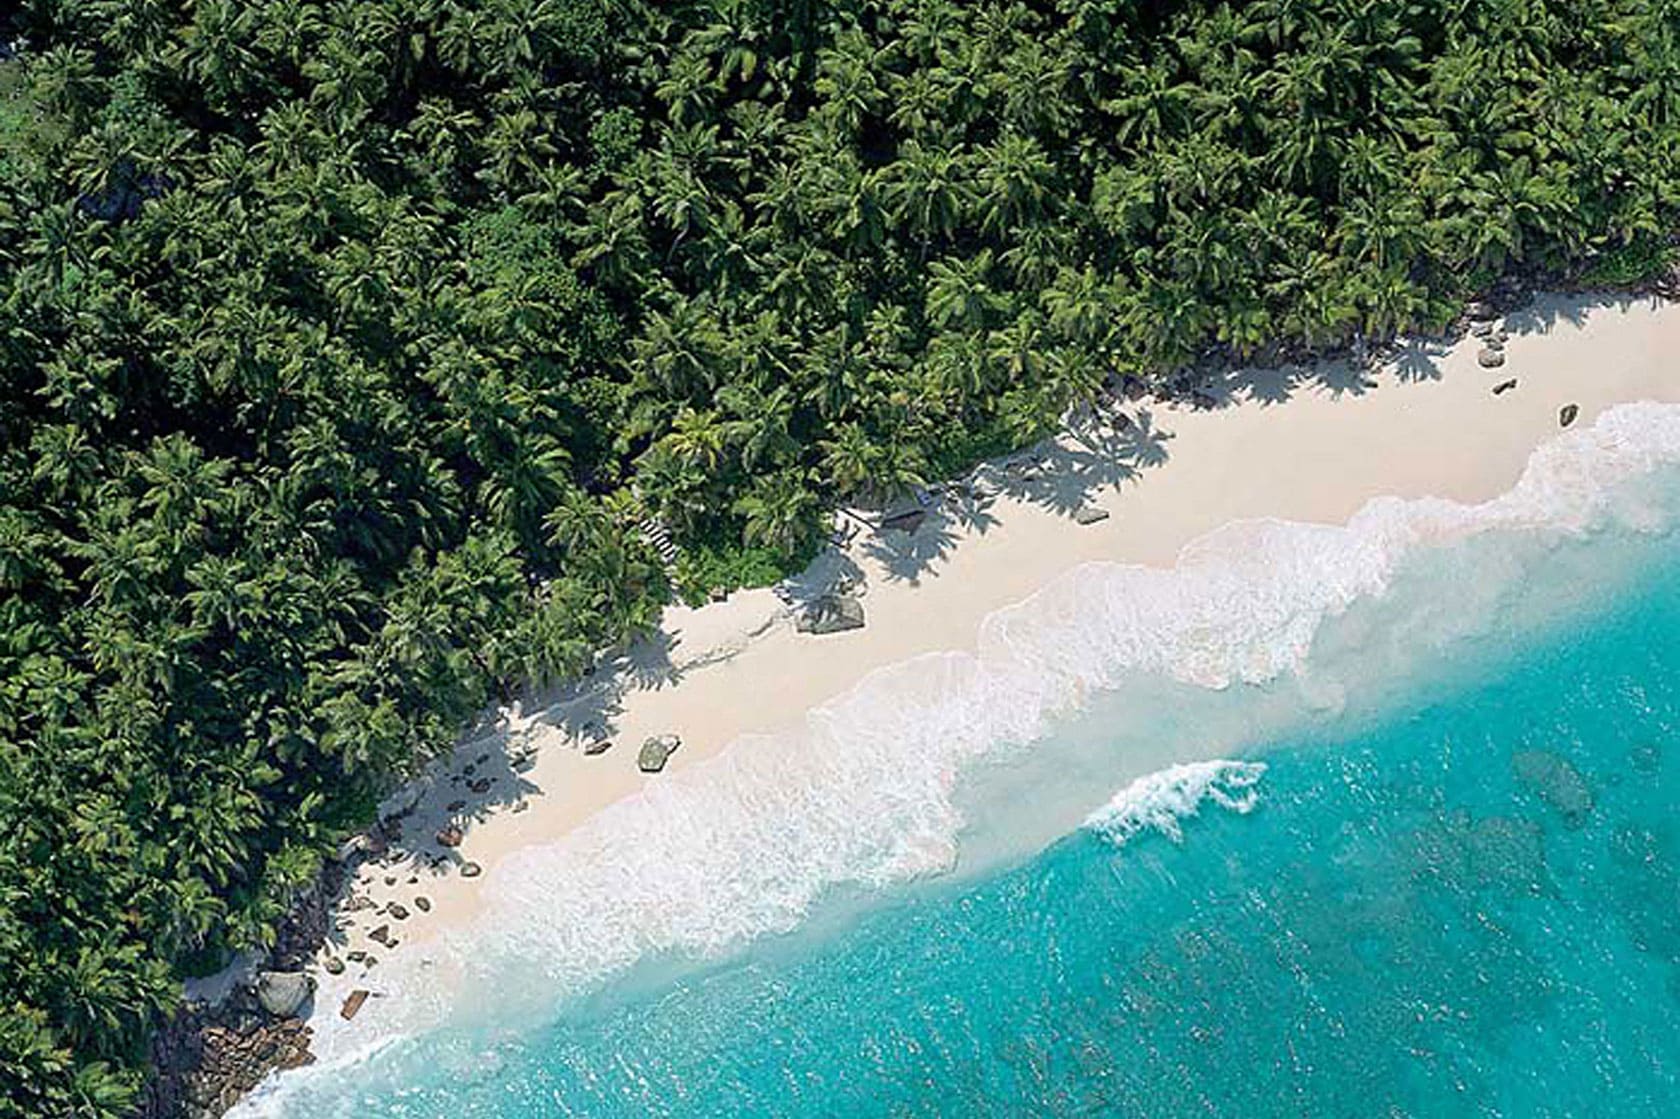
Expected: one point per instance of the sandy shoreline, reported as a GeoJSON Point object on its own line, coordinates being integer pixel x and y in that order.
{"type": "Point", "coordinates": [1296, 444]}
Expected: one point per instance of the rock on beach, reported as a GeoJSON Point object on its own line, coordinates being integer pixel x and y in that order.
{"type": "Point", "coordinates": [283, 993]}
{"type": "Point", "coordinates": [656, 751]}
{"type": "Point", "coordinates": [832, 613]}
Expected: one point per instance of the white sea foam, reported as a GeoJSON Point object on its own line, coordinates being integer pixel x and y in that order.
{"type": "Point", "coordinates": [1163, 800]}
{"type": "Point", "coordinates": [862, 793]}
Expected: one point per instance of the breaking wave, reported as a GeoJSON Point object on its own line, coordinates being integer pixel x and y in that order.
{"type": "Point", "coordinates": [1163, 800]}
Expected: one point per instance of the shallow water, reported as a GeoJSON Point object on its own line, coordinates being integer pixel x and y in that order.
{"type": "Point", "coordinates": [1439, 875]}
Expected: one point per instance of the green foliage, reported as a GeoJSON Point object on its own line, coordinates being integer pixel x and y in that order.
{"type": "Point", "coordinates": [1630, 265]}
{"type": "Point", "coordinates": [345, 345]}
{"type": "Point", "coordinates": [725, 566]}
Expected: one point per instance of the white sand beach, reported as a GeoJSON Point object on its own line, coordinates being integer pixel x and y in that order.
{"type": "Point", "coordinates": [1302, 444]}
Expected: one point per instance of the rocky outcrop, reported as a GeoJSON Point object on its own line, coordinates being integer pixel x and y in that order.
{"type": "Point", "coordinates": [1089, 515]}
{"type": "Point", "coordinates": [207, 1057]}
{"type": "Point", "coordinates": [1504, 387]}
{"type": "Point", "coordinates": [1490, 358]}
{"type": "Point", "coordinates": [284, 993]}
{"type": "Point", "coordinates": [1567, 414]}
{"type": "Point", "coordinates": [832, 613]}
{"type": "Point", "coordinates": [656, 751]}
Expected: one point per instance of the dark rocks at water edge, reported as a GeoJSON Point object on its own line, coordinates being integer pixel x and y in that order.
{"type": "Point", "coordinates": [207, 1057]}
{"type": "Point", "coordinates": [1557, 782]}
{"type": "Point", "coordinates": [1504, 387]}
{"type": "Point", "coordinates": [597, 746]}
{"type": "Point", "coordinates": [1567, 414]}
{"type": "Point", "coordinates": [1089, 515]}
{"type": "Point", "coordinates": [471, 870]}
{"type": "Point", "coordinates": [1490, 358]}
{"type": "Point", "coordinates": [832, 613]}
{"type": "Point", "coordinates": [656, 751]}
{"type": "Point", "coordinates": [423, 903]}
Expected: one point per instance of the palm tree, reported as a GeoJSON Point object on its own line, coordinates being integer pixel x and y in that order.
{"type": "Point", "coordinates": [698, 438]}
{"type": "Point", "coordinates": [1079, 304]}
{"type": "Point", "coordinates": [1014, 181]}
{"type": "Point", "coordinates": [677, 352]}
{"type": "Point", "coordinates": [929, 189]}
{"type": "Point", "coordinates": [958, 294]}
{"type": "Point", "coordinates": [780, 510]}
{"type": "Point", "coordinates": [845, 83]}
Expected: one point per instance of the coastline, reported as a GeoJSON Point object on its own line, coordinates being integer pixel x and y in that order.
{"type": "Point", "coordinates": [1299, 444]}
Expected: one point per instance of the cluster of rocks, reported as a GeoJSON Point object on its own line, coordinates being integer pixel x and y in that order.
{"type": "Point", "coordinates": [208, 1056]}
{"type": "Point", "coordinates": [212, 1053]}
{"type": "Point", "coordinates": [1485, 325]}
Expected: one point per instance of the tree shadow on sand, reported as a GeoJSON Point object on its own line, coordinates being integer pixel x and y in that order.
{"type": "Point", "coordinates": [1414, 360]}
{"type": "Point", "coordinates": [906, 556]}
{"type": "Point", "coordinates": [1101, 452]}
{"type": "Point", "coordinates": [1546, 311]}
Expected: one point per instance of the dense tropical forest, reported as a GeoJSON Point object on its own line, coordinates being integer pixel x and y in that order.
{"type": "Point", "coordinates": [346, 344]}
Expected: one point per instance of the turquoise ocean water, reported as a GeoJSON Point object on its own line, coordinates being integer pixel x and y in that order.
{"type": "Point", "coordinates": [1437, 873]}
